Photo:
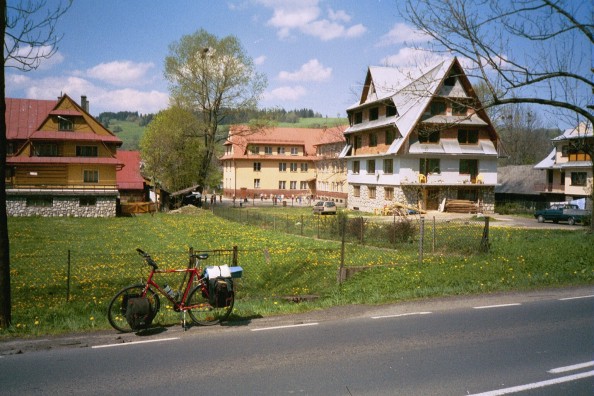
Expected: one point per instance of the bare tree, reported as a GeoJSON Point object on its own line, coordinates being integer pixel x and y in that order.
{"type": "Point", "coordinates": [524, 51]}
{"type": "Point", "coordinates": [28, 37]}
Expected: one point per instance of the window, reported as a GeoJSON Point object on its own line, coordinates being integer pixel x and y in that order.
{"type": "Point", "coordinates": [371, 166]}
{"type": "Point", "coordinates": [46, 150]}
{"type": "Point", "coordinates": [450, 81]}
{"type": "Point", "coordinates": [65, 124]}
{"type": "Point", "coordinates": [372, 140]}
{"type": "Point", "coordinates": [373, 113]}
{"type": "Point", "coordinates": [438, 108]}
{"type": "Point", "coordinates": [280, 150]}
{"type": "Point", "coordinates": [304, 167]}
{"type": "Point", "coordinates": [468, 167]}
{"type": "Point", "coordinates": [256, 183]}
{"type": "Point", "coordinates": [257, 166]}
{"type": "Point", "coordinates": [371, 192]}
{"type": "Point", "coordinates": [390, 136]}
{"type": "Point", "coordinates": [358, 142]}
{"type": "Point", "coordinates": [429, 165]}
{"type": "Point", "coordinates": [87, 201]}
{"type": "Point", "coordinates": [467, 136]}
{"type": "Point", "coordinates": [578, 155]}
{"type": "Point", "coordinates": [429, 137]}
{"type": "Point", "coordinates": [282, 167]}
{"type": "Point", "coordinates": [86, 151]}
{"type": "Point", "coordinates": [41, 202]}
{"type": "Point", "coordinates": [358, 117]}
{"type": "Point", "coordinates": [303, 185]}
{"type": "Point", "coordinates": [578, 178]}
{"type": "Point", "coordinates": [293, 166]}
{"type": "Point", "coordinates": [564, 151]}
{"type": "Point", "coordinates": [267, 150]}
{"type": "Point", "coordinates": [255, 149]}
{"type": "Point", "coordinates": [391, 111]}
{"type": "Point", "coordinates": [389, 193]}
{"type": "Point", "coordinates": [356, 166]}
{"type": "Point", "coordinates": [357, 191]}
{"type": "Point", "coordinates": [282, 185]}
{"type": "Point", "coordinates": [91, 176]}
{"type": "Point", "coordinates": [459, 109]}
{"type": "Point", "coordinates": [294, 151]}
{"type": "Point", "coordinates": [293, 185]}
{"type": "Point", "coordinates": [388, 166]}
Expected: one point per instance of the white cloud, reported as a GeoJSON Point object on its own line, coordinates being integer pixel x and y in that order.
{"type": "Point", "coordinates": [400, 34]}
{"type": "Point", "coordinates": [286, 93]}
{"type": "Point", "coordinates": [28, 53]}
{"type": "Point", "coordinates": [311, 71]}
{"type": "Point", "coordinates": [260, 60]}
{"type": "Point", "coordinates": [100, 98]}
{"type": "Point", "coordinates": [120, 73]}
{"type": "Point", "coordinates": [304, 16]}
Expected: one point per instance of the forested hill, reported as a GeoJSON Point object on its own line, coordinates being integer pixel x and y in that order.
{"type": "Point", "coordinates": [129, 125]}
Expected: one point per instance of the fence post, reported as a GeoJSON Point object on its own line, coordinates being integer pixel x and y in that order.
{"type": "Point", "coordinates": [433, 242]}
{"type": "Point", "coordinates": [235, 256]}
{"type": "Point", "coordinates": [301, 225]}
{"type": "Point", "coordinates": [485, 239]}
{"type": "Point", "coordinates": [341, 272]}
{"type": "Point", "coordinates": [421, 238]}
{"type": "Point", "coordinates": [68, 279]}
{"type": "Point", "coordinates": [319, 226]}
{"type": "Point", "coordinates": [362, 221]}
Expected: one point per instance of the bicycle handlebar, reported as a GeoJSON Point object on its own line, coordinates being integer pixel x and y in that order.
{"type": "Point", "coordinates": [147, 257]}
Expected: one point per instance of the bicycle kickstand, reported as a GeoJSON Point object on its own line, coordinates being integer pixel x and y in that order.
{"type": "Point", "coordinates": [184, 321]}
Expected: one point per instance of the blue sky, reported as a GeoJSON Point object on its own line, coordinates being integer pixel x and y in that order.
{"type": "Point", "coordinates": [314, 53]}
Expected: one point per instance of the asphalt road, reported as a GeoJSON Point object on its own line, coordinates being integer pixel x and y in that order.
{"type": "Point", "coordinates": [539, 341]}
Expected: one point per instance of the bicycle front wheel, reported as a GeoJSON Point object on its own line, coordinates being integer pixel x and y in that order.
{"type": "Point", "coordinates": [116, 313]}
{"type": "Point", "coordinates": [203, 313]}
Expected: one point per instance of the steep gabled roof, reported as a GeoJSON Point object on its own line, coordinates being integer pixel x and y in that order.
{"type": "Point", "coordinates": [411, 95]}
{"type": "Point", "coordinates": [28, 118]}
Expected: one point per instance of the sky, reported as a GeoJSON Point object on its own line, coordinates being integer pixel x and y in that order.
{"type": "Point", "coordinates": [314, 53]}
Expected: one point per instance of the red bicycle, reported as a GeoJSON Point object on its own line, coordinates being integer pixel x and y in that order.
{"type": "Point", "coordinates": [198, 298]}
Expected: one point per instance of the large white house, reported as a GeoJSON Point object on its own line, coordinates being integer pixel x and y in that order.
{"type": "Point", "coordinates": [419, 141]}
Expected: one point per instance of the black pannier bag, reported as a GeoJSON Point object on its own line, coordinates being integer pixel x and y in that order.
{"type": "Point", "coordinates": [139, 313]}
{"type": "Point", "coordinates": [220, 290]}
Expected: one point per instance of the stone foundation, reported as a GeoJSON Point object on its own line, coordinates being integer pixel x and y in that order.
{"type": "Point", "coordinates": [62, 206]}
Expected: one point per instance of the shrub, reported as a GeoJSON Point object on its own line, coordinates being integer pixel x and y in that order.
{"type": "Point", "coordinates": [400, 231]}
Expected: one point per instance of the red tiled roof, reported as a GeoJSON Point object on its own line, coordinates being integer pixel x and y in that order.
{"type": "Point", "coordinates": [63, 160]}
{"type": "Point", "coordinates": [240, 137]}
{"type": "Point", "coordinates": [25, 115]}
{"type": "Point", "coordinates": [129, 177]}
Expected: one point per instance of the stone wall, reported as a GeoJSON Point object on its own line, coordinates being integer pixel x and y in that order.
{"type": "Point", "coordinates": [62, 206]}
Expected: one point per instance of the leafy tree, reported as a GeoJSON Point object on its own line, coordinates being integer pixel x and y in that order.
{"type": "Point", "coordinates": [214, 78]}
{"type": "Point", "coordinates": [28, 37]}
{"type": "Point", "coordinates": [171, 153]}
{"type": "Point", "coordinates": [524, 51]}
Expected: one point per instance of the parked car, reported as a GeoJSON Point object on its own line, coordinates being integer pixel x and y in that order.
{"type": "Point", "coordinates": [324, 207]}
{"type": "Point", "coordinates": [562, 212]}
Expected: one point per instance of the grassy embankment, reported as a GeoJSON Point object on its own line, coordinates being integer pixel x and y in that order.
{"type": "Point", "coordinates": [103, 259]}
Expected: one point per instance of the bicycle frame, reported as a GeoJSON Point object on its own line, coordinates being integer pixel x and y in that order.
{"type": "Point", "coordinates": [194, 277]}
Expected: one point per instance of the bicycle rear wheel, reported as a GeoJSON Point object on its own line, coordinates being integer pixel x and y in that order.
{"type": "Point", "coordinates": [205, 314]}
{"type": "Point", "coordinates": [116, 313]}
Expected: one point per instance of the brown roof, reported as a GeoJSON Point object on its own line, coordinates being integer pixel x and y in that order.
{"type": "Point", "coordinates": [129, 177]}
{"type": "Point", "coordinates": [240, 137]}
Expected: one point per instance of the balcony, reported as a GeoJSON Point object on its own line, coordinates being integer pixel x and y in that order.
{"type": "Point", "coordinates": [549, 187]}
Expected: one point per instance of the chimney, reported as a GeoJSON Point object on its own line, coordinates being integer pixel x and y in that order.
{"type": "Point", "coordinates": [84, 103]}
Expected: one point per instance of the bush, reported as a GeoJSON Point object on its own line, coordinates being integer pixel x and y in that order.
{"type": "Point", "coordinates": [400, 231]}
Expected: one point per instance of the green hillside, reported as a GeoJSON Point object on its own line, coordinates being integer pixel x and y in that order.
{"type": "Point", "coordinates": [131, 133]}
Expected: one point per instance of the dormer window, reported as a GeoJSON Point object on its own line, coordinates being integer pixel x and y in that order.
{"type": "Point", "coordinates": [390, 111]}
{"type": "Point", "coordinates": [429, 137]}
{"type": "Point", "coordinates": [438, 108]}
{"type": "Point", "coordinates": [450, 81]}
{"type": "Point", "coordinates": [373, 114]}
{"type": "Point", "coordinates": [65, 124]}
{"type": "Point", "coordinates": [358, 117]}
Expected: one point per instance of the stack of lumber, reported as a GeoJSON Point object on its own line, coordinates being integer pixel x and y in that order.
{"type": "Point", "coordinates": [401, 209]}
{"type": "Point", "coordinates": [460, 206]}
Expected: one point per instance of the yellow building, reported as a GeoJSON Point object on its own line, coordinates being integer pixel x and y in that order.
{"type": "Point", "coordinates": [60, 160]}
{"type": "Point", "coordinates": [275, 162]}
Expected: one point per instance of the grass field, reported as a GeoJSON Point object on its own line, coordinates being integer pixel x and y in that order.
{"type": "Point", "coordinates": [102, 258]}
